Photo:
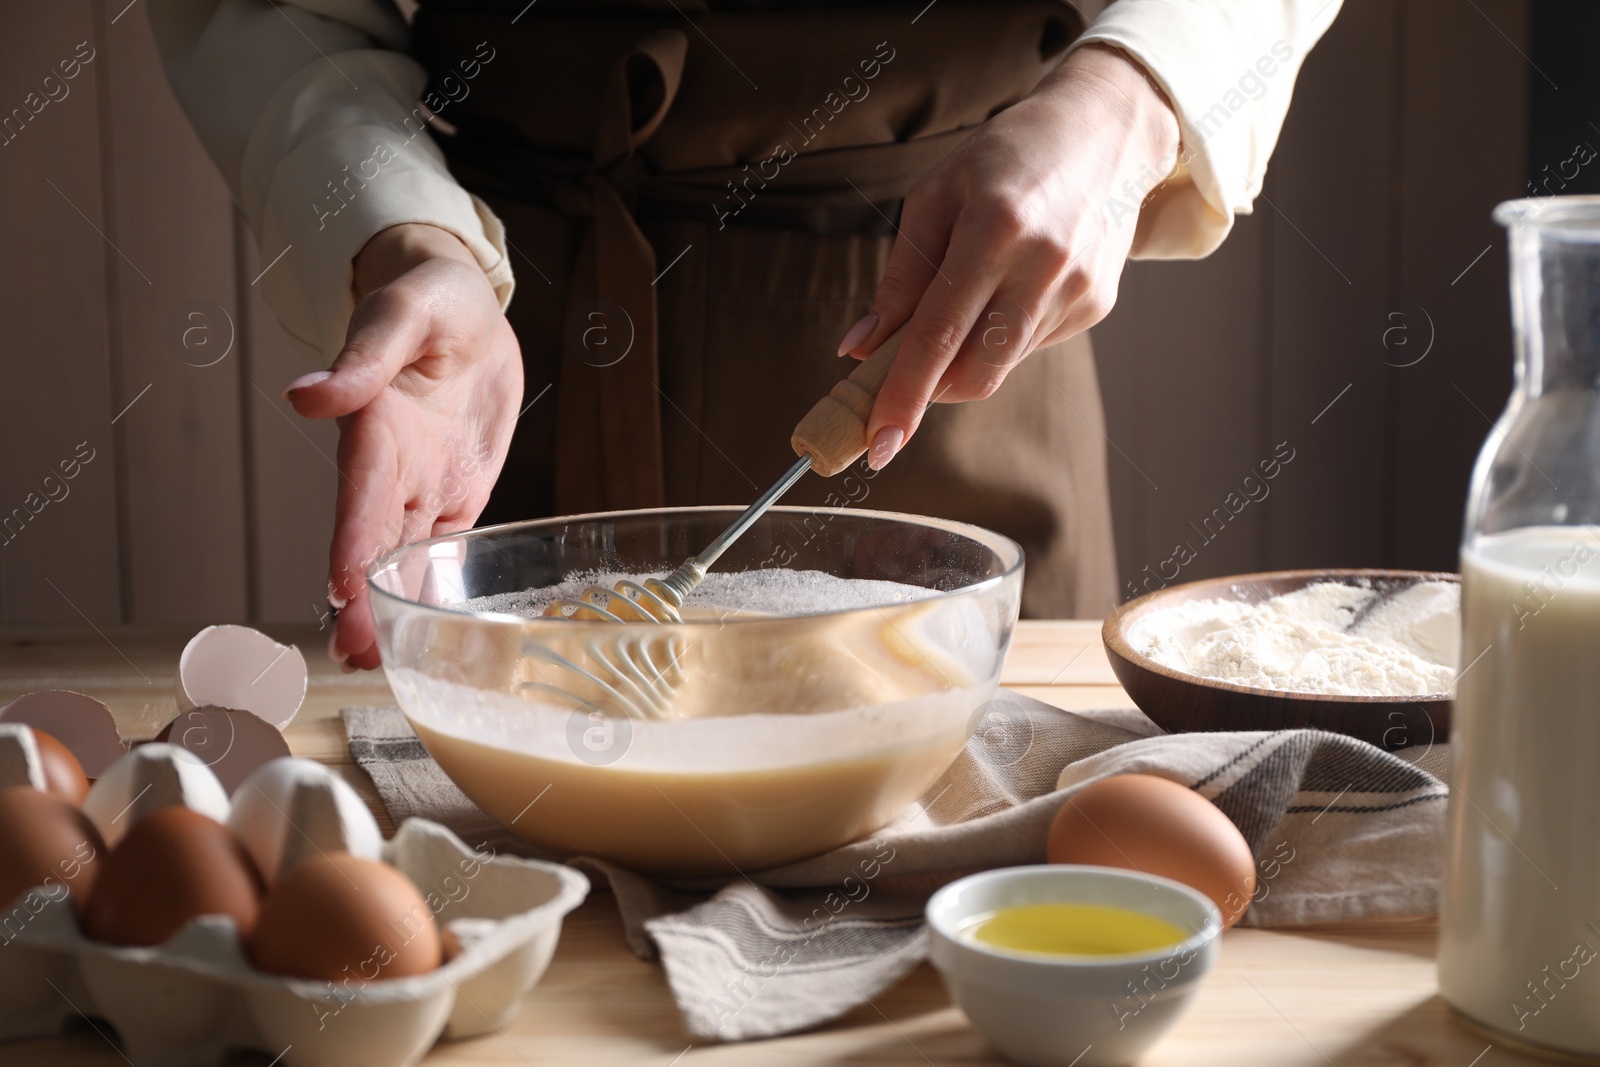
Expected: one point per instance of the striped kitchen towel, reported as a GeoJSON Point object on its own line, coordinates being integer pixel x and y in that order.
{"type": "Point", "coordinates": [1341, 830]}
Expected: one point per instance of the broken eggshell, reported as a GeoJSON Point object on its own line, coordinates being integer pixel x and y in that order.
{"type": "Point", "coordinates": [293, 808]}
{"type": "Point", "coordinates": [81, 723]}
{"type": "Point", "coordinates": [237, 667]}
{"type": "Point", "coordinates": [150, 778]}
{"type": "Point", "coordinates": [232, 743]}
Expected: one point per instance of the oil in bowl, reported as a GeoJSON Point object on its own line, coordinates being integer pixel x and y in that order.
{"type": "Point", "coordinates": [1072, 930]}
{"type": "Point", "coordinates": [1071, 965]}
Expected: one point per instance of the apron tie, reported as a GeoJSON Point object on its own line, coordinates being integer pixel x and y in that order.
{"type": "Point", "coordinates": [608, 406]}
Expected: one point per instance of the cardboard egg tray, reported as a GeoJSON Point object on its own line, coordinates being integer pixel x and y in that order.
{"type": "Point", "coordinates": [191, 1001]}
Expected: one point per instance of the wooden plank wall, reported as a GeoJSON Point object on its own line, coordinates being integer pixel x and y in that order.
{"type": "Point", "coordinates": [1408, 126]}
{"type": "Point", "coordinates": [128, 296]}
{"type": "Point", "coordinates": [181, 448]}
{"type": "Point", "coordinates": [207, 500]}
{"type": "Point", "coordinates": [1445, 403]}
{"type": "Point", "coordinates": [60, 559]}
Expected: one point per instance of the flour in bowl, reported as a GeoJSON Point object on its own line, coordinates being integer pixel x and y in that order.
{"type": "Point", "coordinates": [769, 591]}
{"type": "Point", "coordinates": [1327, 638]}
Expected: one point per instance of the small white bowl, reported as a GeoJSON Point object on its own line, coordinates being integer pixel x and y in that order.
{"type": "Point", "coordinates": [1045, 1010]}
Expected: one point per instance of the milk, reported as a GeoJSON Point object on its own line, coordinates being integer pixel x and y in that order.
{"type": "Point", "coordinates": [1519, 947]}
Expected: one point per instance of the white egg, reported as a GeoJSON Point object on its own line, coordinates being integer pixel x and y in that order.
{"type": "Point", "coordinates": [150, 778]}
{"type": "Point", "coordinates": [292, 808]}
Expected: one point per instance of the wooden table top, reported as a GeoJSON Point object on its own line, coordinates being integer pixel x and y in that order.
{"type": "Point", "coordinates": [1339, 996]}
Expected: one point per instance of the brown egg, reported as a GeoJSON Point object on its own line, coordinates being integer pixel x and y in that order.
{"type": "Point", "coordinates": [44, 841]}
{"type": "Point", "coordinates": [450, 942]}
{"type": "Point", "coordinates": [1145, 823]}
{"type": "Point", "coordinates": [341, 918]}
{"type": "Point", "coordinates": [63, 774]}
{"type": "Point", "coordinates": [173, 865]}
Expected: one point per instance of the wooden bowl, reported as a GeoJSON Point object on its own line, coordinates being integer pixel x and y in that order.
{"type": "Point", "coordinates": [1181, 703]}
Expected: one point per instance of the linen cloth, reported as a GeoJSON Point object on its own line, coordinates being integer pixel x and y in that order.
{"type": "Point", "coordinates": [1340, 830]}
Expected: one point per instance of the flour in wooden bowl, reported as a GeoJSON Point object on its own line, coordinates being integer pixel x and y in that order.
{"type": "Point", "coordinates": [1328, 638]}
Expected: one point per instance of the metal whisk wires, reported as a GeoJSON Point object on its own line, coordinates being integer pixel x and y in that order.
{"type": "Point", "coordinates": [629, 671]}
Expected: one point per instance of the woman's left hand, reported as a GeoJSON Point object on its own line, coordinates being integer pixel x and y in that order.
{"type": "Point", "coordinates": [1013, 241]}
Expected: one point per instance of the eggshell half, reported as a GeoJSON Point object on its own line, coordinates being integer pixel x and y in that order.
{"type": "Point", "coordinates": [232, 743]}
{"type": "Point", "coordinates": [1145, 823]}
{"type": "Point", "coordinates": [237, 667]}
{"type": "Point", "coordinates": [293, 808]}
{"type": "Point", "coordinates": [148, 779]}
{"type": "Point", "coordinates": [81, 723]}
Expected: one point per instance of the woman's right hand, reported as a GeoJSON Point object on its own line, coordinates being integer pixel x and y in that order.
{"type": "Point", "coordinates": [1009, 243]}
{"type": "Point", "coordinates": [426, 391]}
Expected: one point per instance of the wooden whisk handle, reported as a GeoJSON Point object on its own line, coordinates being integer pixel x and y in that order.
{"type": "Point", "coordinates": [834, 431]}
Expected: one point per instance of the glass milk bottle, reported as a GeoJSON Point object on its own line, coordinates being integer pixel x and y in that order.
{"type": "Point", "coordinates": [1519, 937]}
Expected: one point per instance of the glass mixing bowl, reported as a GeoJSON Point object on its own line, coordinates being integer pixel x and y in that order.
{"type": "Point", "coordinates": [731, 740]}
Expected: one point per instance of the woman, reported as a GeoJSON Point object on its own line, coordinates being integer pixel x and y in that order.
{"type": "Point", "coordinates": [704, 201]}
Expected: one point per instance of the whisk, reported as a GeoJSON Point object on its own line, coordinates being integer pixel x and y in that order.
{"type": "Point", "coordinates": [629, 672]}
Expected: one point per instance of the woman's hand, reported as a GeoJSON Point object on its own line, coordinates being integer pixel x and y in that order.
{"type": "Point", "coordinates": [426, 392]}
{"type": "Point", "coordinates": [1011, 242]}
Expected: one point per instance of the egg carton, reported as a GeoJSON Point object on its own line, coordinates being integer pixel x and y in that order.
{"type": "Point", "coordinates": [195, 999]}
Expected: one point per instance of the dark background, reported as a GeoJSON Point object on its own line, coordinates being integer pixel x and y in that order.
{"type": "Point", "coordinates": [1371, 244]}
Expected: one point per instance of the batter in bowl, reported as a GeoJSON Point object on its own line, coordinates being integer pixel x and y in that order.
{"type": "Point", "coordinates": [745, 768]}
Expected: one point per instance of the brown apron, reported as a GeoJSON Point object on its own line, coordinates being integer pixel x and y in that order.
{"type": "Point", "coordinates": [698, 205]}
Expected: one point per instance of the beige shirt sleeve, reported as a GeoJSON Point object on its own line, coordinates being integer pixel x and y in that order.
{"type": "Point", "coordinates": [1228, 67]}
{"type": "Point", "coordinates": [310, 109]}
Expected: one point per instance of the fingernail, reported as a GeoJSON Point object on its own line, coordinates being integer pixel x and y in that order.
{"type": "Point", "coordinates": [348, 667]}
{"type": "Point", "coordinates": [306, 380]}
{"type": "Point", "coordinates": [334, 652]}
{"type": "Point", "coordinates": [884, 446]}
{"type": "Point", "coordinates": [858, 333]}
{"type": "Point", "coordinates": [335, 601]}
